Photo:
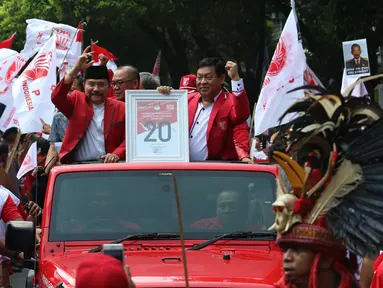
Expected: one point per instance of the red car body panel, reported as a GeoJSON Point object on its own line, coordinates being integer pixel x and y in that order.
{"type": "Point", "coordinates": [253, 263]}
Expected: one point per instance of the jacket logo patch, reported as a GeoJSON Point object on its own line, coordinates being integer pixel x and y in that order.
{"type": "Point", "coordinates": [223, 125]}
{"type": "Point", "coordinates": [185, 81]}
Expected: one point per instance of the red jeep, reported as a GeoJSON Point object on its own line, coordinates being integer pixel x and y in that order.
{"type": "Point", "coordinates": [225, 208]}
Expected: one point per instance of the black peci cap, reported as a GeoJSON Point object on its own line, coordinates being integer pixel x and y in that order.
{"type": "Point", "coordinates": [96, 72]}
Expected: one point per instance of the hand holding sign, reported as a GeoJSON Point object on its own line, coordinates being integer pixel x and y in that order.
{"type": "Point", "coordinates": [110, 158]}
{"type": "Point", "coordinates": [164, 90]}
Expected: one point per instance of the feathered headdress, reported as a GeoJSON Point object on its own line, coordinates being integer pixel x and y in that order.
{"type": "Point", "coordinates": [332, 154]}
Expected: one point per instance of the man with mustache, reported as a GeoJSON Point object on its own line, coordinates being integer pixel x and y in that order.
{"type": "Point", "coordinates": [96, 128]}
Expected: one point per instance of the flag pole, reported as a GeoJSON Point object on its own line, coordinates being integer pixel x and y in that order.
{"type": "Point", "coordinates": [70, 45]}
{"type": "Point", "coordinates": [252, 125]}
{"type": "Point", "coordinates": [181, 231]}
{"type": "Point", "coordinates": [13, 151]}
{"type": "Point", "coordinates": [292, 2]}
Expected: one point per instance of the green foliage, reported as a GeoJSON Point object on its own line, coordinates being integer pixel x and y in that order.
{"type": "Point", "coordinates": [187, 30]}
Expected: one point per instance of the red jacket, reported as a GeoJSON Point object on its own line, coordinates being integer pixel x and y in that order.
{"type": "Point", "coordinates": [241, 140]}
{"type": "Point", "coordinates": [228, 112]}
{"type": "Point", "coordinates": [79, 110]}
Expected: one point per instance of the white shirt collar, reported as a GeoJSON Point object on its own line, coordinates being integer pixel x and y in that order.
{"type": "Point", "coordinates": [215, 98]}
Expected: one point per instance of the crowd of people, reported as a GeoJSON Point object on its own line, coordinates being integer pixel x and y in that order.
{"type": "Point", "coordinates": [89, 124]}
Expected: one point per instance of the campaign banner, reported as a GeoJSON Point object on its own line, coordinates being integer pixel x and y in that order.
{"type": "Point", "coordinates": [157, 126]}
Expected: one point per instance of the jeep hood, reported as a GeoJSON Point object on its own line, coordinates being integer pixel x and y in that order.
{"type": "Point", "coordinates": [161, 268]}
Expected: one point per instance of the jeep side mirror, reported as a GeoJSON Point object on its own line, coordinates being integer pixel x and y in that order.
{"type": "Point", "coordinates": [20, 236]}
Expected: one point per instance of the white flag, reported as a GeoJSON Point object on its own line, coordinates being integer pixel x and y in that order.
{"type": "Point", "coordinates": [310, 78]}
{"type": "Point", "coordinates": [73, 54]}
{"type": "Point", "coordinates": [33, 88]}
{"type": "Point", "coordinates": [285, 73]}
{"type": "Point", "coordinates": [360, 89]}
{"type": "Point", "coordinates": [30, 161]}
{"type": "Point", "coordinates": [10, 64]}
{"type": "Point", "coordinates": [38, 34]}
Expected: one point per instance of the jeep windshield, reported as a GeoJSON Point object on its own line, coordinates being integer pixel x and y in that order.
{"type": "Point", "coordinates": [107, 205]}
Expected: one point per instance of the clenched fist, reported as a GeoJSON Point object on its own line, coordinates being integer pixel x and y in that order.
{"type": "Point", "coordinates": [232, 70]}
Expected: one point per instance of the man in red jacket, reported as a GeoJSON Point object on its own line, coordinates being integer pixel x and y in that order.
{"type": "Point", "coordinates": [96, 128]}
{"type": "Point", "coordinates": [213, 112]}
{"type": "Point", "coordinates": [240, 134]}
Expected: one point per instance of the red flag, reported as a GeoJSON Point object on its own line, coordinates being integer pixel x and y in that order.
{"type": "Point", "coordinates": [79, 33]}
{"type": "Point", "coordinates": [8, 43]}
{"type": "Point", "coordinates": [157, 64]}
{"type": "Point", "coordinates": [99, 50]}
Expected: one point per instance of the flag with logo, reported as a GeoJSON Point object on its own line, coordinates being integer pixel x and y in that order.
{"type": "Point", "coordinates": [286, 72]}
{"type": "Point", "coordinates": [40, 31]}
{"type": "Point", "coordinates": [32, 90]}
{"type": "Point", "coordinates": [30, 161]}
{"type": "Point", "coordinates": [73, 54]}
{"type": "Point", "coordinates": [10, 64]}
{"type": "Point", "coordinates": [310, 78]}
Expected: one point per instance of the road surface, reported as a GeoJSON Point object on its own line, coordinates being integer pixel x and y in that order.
{"type": "Point", "coordinates": [18, 279]}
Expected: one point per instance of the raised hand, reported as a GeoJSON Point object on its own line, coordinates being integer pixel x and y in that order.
{"type": "Point", "coordinates": [46, 127]}
{"type": "Point", "coordinates": [232, 70]}
{"type": "Point", "coordinates": [82, 61]}
{"type": "Point", "coordinates": [103, 59]}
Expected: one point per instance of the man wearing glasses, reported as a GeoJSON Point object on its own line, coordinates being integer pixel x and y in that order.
{"type": "Point", "coordinates": [125, 78]}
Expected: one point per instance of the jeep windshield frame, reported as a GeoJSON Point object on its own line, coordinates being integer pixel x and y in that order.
{"type": "Point", "coordinates": [82, 209]}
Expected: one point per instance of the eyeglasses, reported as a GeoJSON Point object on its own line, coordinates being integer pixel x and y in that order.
{"type": "Point", "coordinates": [119, 83]}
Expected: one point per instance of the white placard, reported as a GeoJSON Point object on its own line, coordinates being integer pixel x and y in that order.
{"type": "Point", "coordinates": [355, 55]}
{"type": "Point", "coordinates": [156, 126]}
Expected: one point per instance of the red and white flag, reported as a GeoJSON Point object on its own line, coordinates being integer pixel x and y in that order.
{"type": "Point", "coordinates": [7, 44]}
{"type": "Point", "coordinates": [73, 54]}
{"type": "Point", "coordinates": [97, 50]}
{"type": "Point", "coordinates": [30, 161]}
{"type": "Point", "coordinates": [10, 64]}
{"type": "Point", "coordinates": [157, 65]}
{"type": "Point", "coordinates": [286, 72]}
{"type": "Point", "coordinates": [33, 88]}
{"type": "Point", "coordinates": [360, 89]}
{"type": "Point", "coordinates": [310, 78]}
{"type": "Point", "coordinates": [40, 31]}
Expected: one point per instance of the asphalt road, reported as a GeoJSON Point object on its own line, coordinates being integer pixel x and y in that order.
{"type": "Point", "coordinates": [18, 279]}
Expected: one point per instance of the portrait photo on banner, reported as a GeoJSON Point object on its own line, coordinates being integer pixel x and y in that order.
{"type": "Point", "coordinates": [355, 54]}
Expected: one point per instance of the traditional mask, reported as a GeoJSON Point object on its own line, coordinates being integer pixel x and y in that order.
{"type": "Point", "coordinates": [284, 216]}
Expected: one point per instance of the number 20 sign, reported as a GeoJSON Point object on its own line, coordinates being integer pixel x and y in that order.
{"type": "Point", "coordinates": [156, 126]}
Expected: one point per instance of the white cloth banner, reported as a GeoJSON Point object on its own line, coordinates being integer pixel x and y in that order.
{"type": "Point", "coordinates": [68, 49]}
{"type": "Point", "coordinates": [286, 72]}
{"type": "Point", "coordinates": [73, 54]}
{"type": "Point", "coordinates": [33, 88]}
{"type": "Point", "coordinates": [30, 161]}
{"type": "Point", "coordinates": [10, 64]}
{"type": "Point", "coordinates": [360, 89]}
